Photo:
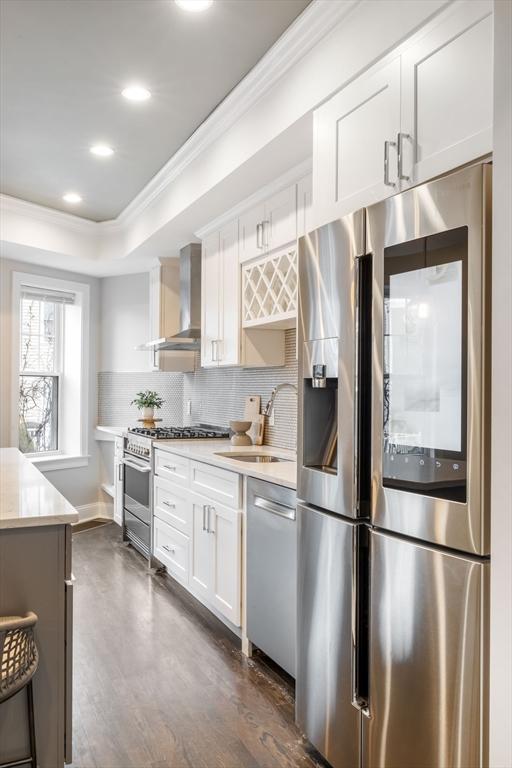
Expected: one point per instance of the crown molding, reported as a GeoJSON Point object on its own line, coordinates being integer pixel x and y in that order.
{"type": "Point", "coordinates": [314, 23]}
{"type": "Point", "coordinates": [41, 213]}
{"type": "Point", "coordinates": [285, 180]}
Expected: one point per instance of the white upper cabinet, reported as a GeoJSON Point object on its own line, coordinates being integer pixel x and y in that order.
{"type": "Point", "coordinates": [220, 298]}
{"type": "Point", "coordinates": [251, 232]}
{"type": "Point", "coordinates": [354, 139]}
{"type": "Point", "coordinates": [228, 352]}
{"type": "Point", "coordinates": [447, 88]}
{"type": "Point", "coordinates": [408, 119]}
{"type": "Point", "coordinates": [304, 205]}
{"type": "Point", "coordinates": [269, 225]}
{"type": "Point", "coordinates": [280, 222]}
{"type": "Point", "coordinates": [210, 299]}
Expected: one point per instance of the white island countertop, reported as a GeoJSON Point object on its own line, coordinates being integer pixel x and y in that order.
{"type": "Point", "coordinates": [279, 472]}
{"type": "Point", "coordinates": [27, 498]}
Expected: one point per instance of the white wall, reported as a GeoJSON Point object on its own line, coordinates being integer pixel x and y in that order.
{"type": "Point", "coordinates": [501, 483]}
{"type": "Point", "coordinates": [124, 322]}
{"type": "Point", "coordinates": [80, 485]}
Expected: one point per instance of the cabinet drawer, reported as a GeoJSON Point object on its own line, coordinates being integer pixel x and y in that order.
{"type": "Point", "coordinates": [172, 467]}
{"type": "Point", "coordinates": [172, 549]}
{"type": "Point", "coordinates": [215, 483]}
{"type": "Point", "coordinates": [171, 504]}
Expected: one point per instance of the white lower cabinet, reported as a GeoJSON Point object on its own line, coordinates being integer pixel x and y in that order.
{"type": "Point", "coordinates": [201, 546]}
{"type": "Point", "coordinates": [225, 526]}
{"type": "Point", "coordinates": [197, 536]}
{"type": "Point", "coordinates": [172, 549]}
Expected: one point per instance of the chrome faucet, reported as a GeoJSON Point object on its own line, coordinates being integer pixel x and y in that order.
{"type": "Point", "coordinates": [267, 411]}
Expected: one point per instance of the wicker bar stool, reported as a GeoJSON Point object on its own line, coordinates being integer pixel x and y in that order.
{"type": "Point", "coordinates": [18, 662]}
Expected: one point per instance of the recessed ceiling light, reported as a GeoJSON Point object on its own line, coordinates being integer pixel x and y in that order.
{"type": "Point", "coordinates": [72, 197]}
{"type": "Point", "coordinates": [136, 93]}
{"type": "Point", "coordinates": [101, 150]}
{"type": "Point", "coordinates": [194, 5]}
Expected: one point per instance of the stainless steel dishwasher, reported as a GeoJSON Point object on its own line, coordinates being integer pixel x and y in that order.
{"type": "Point", "coordinates": [272, 571]}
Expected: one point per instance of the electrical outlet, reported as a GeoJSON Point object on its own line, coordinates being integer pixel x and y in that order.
{"type": "Point", "coordinates": [189, 407]}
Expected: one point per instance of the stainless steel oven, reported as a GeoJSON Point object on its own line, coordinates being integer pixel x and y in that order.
{"type": "Point", "coordinates": [137, 494]}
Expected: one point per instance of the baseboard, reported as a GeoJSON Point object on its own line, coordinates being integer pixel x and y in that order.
{"type": "Point", "coordinates": [100, 510]}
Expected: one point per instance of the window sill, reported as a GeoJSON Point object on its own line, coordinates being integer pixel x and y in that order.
{"type": "Point", "coordinates": [50, 463]}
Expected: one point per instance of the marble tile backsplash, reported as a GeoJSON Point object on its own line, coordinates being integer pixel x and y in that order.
{"type": "Point", "coordinates": [217, 395]}
{"type": "Point", "coordinates": [209, 395]}
{"type": "Point", "coordinates": [117, 390]}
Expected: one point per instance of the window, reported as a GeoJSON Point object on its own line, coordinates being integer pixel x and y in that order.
{"type": "Point", "coordinates": [50, 423]}
{"type": "Point", "coordinates": [41, 318]}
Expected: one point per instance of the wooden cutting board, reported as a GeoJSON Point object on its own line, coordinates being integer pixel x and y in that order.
{"type": "Point", "coordinates": [252, 413]}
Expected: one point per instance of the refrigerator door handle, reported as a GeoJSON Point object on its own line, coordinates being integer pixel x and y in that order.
{"type": "Point", "coordinates": [359, 620]}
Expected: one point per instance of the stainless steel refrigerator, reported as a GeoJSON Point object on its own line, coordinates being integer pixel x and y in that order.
{"type": "Point", "coordinates": [393, 480]}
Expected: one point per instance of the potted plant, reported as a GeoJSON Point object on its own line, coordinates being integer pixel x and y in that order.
{"type": "Point", "coordinates": [146, 402]}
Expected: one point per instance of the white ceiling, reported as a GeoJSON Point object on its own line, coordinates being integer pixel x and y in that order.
{"type": "Point", "coordinates": [64, 63]}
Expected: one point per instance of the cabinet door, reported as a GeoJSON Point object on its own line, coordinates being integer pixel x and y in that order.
{"type": "Point", "coordinates": [210, 301]}
{"type": "Point", "coordinates": [226, 538]}
{"type": "Point", "coordinates": [228, 348]}
{"type": "Point", "coordinates": [251, 238]}
{"type": "Point", "coordinates": [154, 314]}
{"type": "Point", "coordinates": [201, 558]}
{"type": "Point", "coordinates": [304, 203]}
{"type": "Point", "coordinates": [349, 138]}
{"type": "Point", "coordinates": [280, 223]}
{"type": "Point", "coordinates": [447, 94]}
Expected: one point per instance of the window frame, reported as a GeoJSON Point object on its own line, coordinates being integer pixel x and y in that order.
{"type": "Point", "coordinates": [60, 459]}
{"type": "Point", "coordinates": [56, 374]}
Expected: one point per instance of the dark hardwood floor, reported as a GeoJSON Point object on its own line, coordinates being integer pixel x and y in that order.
{"type": "Point", "coordinates": [158, 682]}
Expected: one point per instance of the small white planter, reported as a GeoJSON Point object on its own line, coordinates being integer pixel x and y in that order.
{"type": "Point", "coordinates": [148, 414]}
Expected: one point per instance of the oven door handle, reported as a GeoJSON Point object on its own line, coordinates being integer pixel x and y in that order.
{"type": "Point", "coordinates": [138, 467]}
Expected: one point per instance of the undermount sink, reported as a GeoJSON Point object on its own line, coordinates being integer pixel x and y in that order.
{"type": "Point", "coordinates": [255, 458]}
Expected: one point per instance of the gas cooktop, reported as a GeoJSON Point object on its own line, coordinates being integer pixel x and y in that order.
{"type": "Point", "coordinates": [180, 433]}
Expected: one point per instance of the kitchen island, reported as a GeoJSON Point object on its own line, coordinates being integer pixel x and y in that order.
{"type": "Point", "coordinates": [35, 575]}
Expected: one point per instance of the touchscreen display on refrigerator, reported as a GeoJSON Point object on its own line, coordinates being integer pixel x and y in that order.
{"type": "Point", "coordinates": [425, 357]}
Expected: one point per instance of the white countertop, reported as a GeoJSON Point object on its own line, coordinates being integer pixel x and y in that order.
{"type": "Point", "coordinates": [281, 473]}
{"type": "Point", "coordinates": [108, 433]}
{"type": "Point", "coordinates": [27, 498]}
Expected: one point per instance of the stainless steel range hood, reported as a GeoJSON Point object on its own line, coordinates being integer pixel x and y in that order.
{"type": "Point", "coordinates": [188, 339]}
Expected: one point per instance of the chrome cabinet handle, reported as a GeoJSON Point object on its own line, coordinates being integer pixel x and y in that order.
{"type": "Point", "coordinates": [209, 528]}
{"type": "Point", "coordinates": [169, 549]}
{"type": "Point", "coordinates": [169, 504]}
{"type": "Point", "coordinates": [120, 471]}
{"type": "Point", "coordinates": [265, 226]}
{"type": "Point", "coordinates": [259, 236]}
{"type": "Point", "coordinates": [387, 145]}
{"type": "Point", "coordinates": [399, 152]}
{"type": "Point", "coordinates": [138, 467]}
{"type": "Point", "coordinates": [283, 510]}
{"type": "Point", "coordinates": [170, 467]}
{"type": "Point", "coordinates": [204, 517]}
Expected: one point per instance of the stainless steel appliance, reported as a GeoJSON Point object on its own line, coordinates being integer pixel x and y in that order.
{"type": "Point", "coordinates": [137, 463]}
{"type": "Point", "coordinates": [272, 571]}
{"type": "Point", "coordinates": [189, 336]}
{"type": "Point", "coordinates": [393, 516]}
{"type": "Point", "coordinates": [181, 433]}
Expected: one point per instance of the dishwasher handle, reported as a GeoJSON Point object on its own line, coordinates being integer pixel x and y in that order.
{"type": "Point", "coordinates": [283, 510]}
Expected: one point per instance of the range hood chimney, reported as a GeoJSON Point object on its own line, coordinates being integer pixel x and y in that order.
{"type": "Point", "coordinates": [188, 339]}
